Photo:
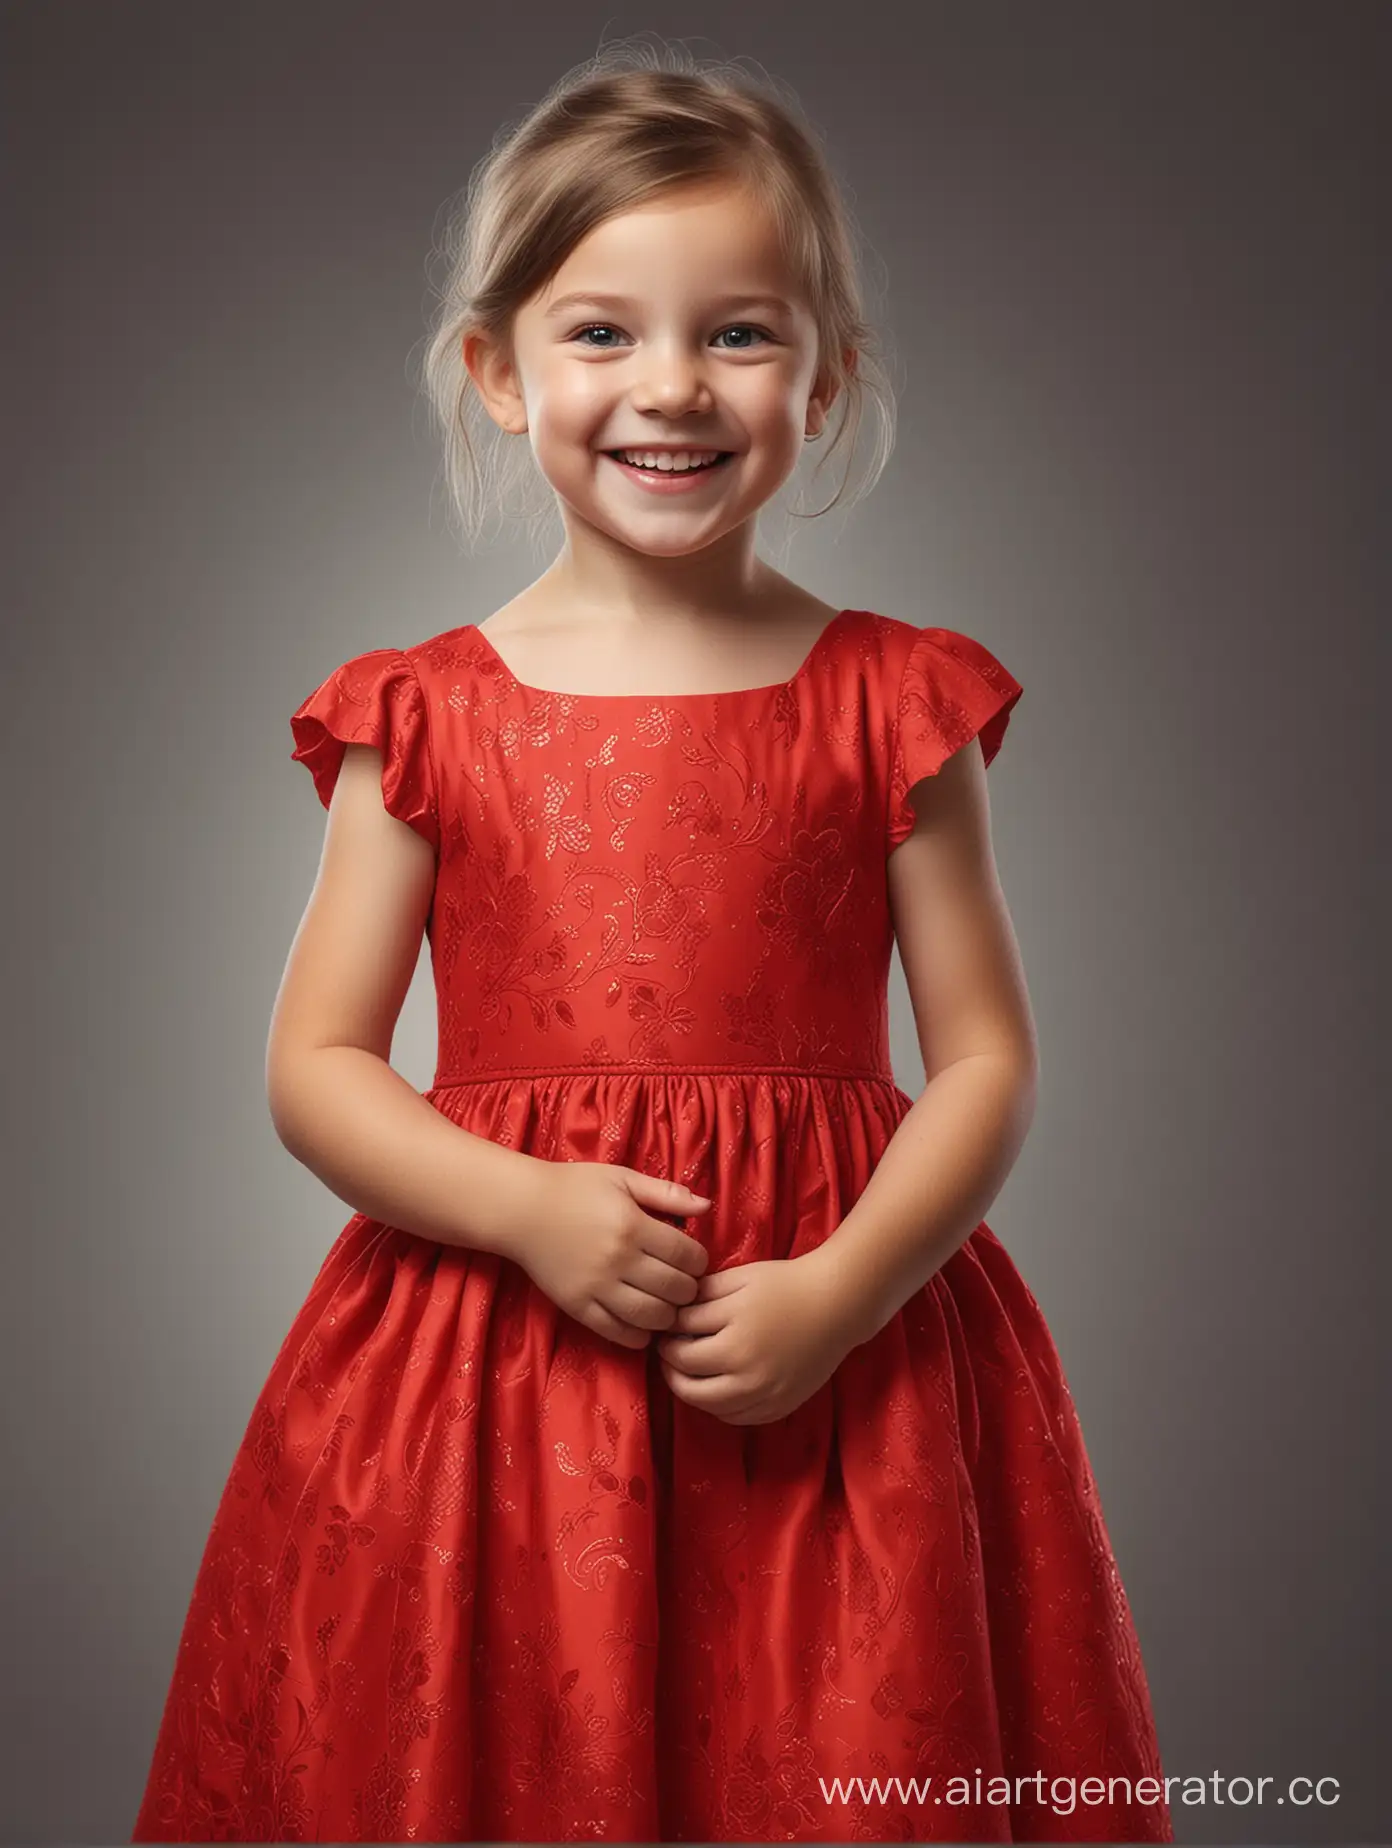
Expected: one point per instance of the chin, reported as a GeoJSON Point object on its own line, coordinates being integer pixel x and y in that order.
{"type": "Point", "coordinates": [640, 536]}
{"type": "Point", "coordinates": [654, 548]}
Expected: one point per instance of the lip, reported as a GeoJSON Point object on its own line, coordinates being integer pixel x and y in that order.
{"type": "Point", "coordinates": [668, 481]}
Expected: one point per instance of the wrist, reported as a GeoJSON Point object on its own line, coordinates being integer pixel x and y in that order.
{"type": "Point", "coordinates": [852, 1308]}
{"type": "Point", "coordinates": [512, 1187]}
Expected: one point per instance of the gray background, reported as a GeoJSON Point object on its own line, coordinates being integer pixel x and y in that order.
{"type": "Point", "coordinates": [1130, 256]}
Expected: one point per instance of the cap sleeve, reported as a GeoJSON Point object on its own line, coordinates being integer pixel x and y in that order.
{"type": "Point", "coordinates": [375, 699]}
{"type": "Point", "coordinates": [952, 690]}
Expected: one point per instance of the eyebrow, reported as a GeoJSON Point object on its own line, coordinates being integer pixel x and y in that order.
{"type": "Point", "coordinates": [584, 297]}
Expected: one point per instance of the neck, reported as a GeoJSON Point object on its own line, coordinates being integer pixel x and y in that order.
{"type": "Point", "coordinates": [595, 572]}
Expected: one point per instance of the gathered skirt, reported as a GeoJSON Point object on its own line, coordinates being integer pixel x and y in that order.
{"type": "Point", "coordinates": [476, 1574]}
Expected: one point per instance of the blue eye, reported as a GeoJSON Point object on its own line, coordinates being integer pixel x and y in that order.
{"type": "Point", "coordinates": [744, 327]}
{"type": "Point", "coordinates": [597, 327]}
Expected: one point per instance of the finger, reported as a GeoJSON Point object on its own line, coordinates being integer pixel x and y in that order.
{"type": "Point", "coordinates": [721, 1282]}
{"type": "Point", "coordinates": [674, 1248]}
{"type": "Point", "coordinates": [677, 1287]}
{"type": "Point", "coordinates": [638, 1308]}
{"type": "Point", "coordinates": [701, 1318]}
{"type": "Point", "coordinates": [663, 1195]}
{"type": "Point", "coordinates": [706, 1395]}
{"type": "Point", "coordinates": [691, 1357]}
{"type": "Point", "coordinates": [614, 1329]}
{"type": "Point", "coordinates": [701, 1357]}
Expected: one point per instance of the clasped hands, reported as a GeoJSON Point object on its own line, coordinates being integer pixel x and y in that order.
{"type": "Point", "coordinates": [753, 1344]}
{"type": "Point", "coordinates": [758, 1340]}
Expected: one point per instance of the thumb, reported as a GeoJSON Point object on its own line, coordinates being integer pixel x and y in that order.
{"type": "Point", "coordinates": [665, 1195]}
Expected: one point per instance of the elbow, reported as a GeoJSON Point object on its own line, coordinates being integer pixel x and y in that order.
{"type": "Point", "coordinates": [1020, 1062]}
{"type": "Point", "coordinates": [1017, 1084]}
{"type": "Point", "coordinates": [1025, 1094]}
{"type": "Point", "coordinates": [282, 1124]}
{"type": "Point", "coordinates": [298, 1080]}
{"type": "Point", "coordinates": [1024, 1063]}
{"type": "Point", "coordinates": [283, 1118]}
{"type": "Point", "coordinates": [289, 1083]}
{"type": "Point", "coordinates": [1014, 1064]}
{"type": "Point", "coordinates": [1028, 1095]}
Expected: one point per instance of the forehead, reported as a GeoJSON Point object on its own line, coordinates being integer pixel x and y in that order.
{"type": "Point", "coordinates": [709, 242]}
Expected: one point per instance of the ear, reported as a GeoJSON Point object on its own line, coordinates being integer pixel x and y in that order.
{"type": "Point", "coordinates": [824, 389]}
{"type": "Point", "coordinates": [490, 364]}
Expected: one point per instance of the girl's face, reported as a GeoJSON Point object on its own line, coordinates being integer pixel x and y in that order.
{"type": "Point", "coordinates": [674, 327]}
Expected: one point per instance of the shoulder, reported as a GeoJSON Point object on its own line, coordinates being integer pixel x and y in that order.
{"type": "Point", "coordinates": [910, 648]}
{"type": "Point", "coordinates": [373, 698]}
{"type": "Point", "coordinates": [438, 654]}
{"type": "Point", "coordinates": [927, 669]}
{"type": "Point", "coordinates": [937, 688]}
{"type": "Point", "coordinates": [405, 668]}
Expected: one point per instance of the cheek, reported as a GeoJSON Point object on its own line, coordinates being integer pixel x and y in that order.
{"type": "Point", "coordinates": [777, 443]}
{"type": "Point", "coordinates": [571, 400]}
{"type": "Point", "coordinates": [768, 409]}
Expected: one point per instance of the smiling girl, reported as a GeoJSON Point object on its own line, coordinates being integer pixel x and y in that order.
{"type": "Point", "coordinates": [666, 1443]}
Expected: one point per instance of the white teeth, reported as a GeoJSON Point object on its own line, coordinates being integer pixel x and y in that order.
{"type": "Point", "coordinates": [669, 464]}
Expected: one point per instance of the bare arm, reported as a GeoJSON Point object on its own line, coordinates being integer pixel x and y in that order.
{"type": "Point", "coordinates": [951, 1154]}
{"type": "Point", "coordinates": [337, 1104]}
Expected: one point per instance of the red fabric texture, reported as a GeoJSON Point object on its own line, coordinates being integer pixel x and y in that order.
{"type": "Point", "coordinates": [374, 699]}
{"type": "Point", "coordinates": [476, 1574]}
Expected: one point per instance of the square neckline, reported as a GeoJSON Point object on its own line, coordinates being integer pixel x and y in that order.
{"type": "Point", "coordinates": [665, 699]}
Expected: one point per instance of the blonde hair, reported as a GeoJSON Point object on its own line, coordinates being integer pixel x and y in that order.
{"type": "Point", "coordinates": [618, 130]}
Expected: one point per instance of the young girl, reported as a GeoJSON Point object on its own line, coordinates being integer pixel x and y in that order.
{"type": "Point", "coordinates": [667, 1448]}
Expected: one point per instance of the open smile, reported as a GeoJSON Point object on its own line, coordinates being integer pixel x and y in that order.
{"type": "Point", "coordinates": [669, 480]}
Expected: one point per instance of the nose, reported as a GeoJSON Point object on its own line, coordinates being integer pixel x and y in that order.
{"type": "Point", "coordinates": [672, 382]}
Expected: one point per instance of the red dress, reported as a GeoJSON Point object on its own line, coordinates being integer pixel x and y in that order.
{"type": "Point", "coordinates": [476, 1574]}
